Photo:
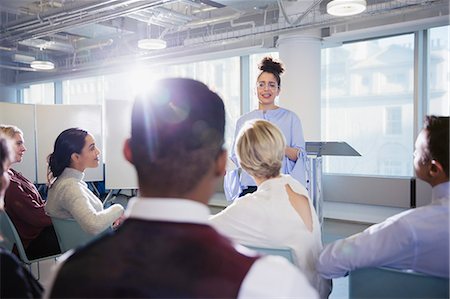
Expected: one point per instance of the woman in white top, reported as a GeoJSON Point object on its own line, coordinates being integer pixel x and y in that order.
{"type": "Point", "coordinates": [280, 212]}
{"type": "Point", "coordinates": [68, 195]}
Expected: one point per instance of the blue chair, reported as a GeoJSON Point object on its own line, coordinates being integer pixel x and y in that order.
{"type": "Point", "coordinates": [391, 283]}
{"type": "Point", "coordinates": [11, 237]}
{"type": "Point", "coordinates": [70, 234]}
{"type": "Point", "coordinates": [285, 252]}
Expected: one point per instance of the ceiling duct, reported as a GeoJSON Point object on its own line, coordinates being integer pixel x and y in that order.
{"type": "Point", "coordinates": [54, 22]}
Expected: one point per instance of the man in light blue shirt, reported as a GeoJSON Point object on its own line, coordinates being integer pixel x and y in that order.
{"type": "Point", "coordinates": [416, 239]}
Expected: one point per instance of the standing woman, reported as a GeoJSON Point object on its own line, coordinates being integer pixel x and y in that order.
{"type": "Point", "coordinates": [238, 182]}
{"type": "Point", "coordinates": [68, 195]}
{"type": "Point", "coordinates": [25, 206]}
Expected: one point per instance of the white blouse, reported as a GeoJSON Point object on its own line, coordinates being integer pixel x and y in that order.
{"type": "Point", "coordinates": [266, 218]}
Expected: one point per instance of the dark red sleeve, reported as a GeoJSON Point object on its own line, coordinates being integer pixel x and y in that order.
{"type": "Point", "coordinates": [23, 201]}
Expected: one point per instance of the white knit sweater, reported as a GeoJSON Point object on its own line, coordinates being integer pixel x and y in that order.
{"type": "Point", "coordinates": [69, 197]}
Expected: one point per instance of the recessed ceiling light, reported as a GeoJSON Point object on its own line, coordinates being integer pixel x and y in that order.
{"type": "Point", "coordinates": [42, 65]}
{"type": "Point", "coordinates": [152, 44]}
{"type": "Point", "coordinates": [343, 8]}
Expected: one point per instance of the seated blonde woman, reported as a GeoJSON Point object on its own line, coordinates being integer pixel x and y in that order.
{"type": "Point", "coordinates": [279, 213]}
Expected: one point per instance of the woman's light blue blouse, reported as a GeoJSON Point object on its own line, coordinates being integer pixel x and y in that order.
{"type": "Point", "coordinates": [291, 126]}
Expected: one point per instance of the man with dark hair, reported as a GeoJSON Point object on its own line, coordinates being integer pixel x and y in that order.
{"type": "Point", "coordinates": [166, 248]}
{"type": "Point", "coordinates": [416, 239]}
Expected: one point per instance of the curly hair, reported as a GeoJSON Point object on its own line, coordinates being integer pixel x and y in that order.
{"type": "Point", "coordinates": [269, 65]}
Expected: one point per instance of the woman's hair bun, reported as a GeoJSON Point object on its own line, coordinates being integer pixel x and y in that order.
{"type": "Point", "coordinates": [268, 64]}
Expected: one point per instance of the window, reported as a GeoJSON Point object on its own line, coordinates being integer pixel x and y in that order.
{"type": "Point", "coordinates": [393, 122]}
{"type": "Point", "coordinates": [39, 94]}
{"type": "Point", "coordinates": [83, 91]}
{"type": "Point", "coordinates": [222, 76]}
{"type": "Point", "coordinates": [373, 111]}
{"type": "Point", "coordinates": [439, 72]}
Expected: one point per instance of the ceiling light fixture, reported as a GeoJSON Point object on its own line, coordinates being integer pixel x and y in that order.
{"type": "Point", "coordinates": [42, 65]}
{"type": "Point", "coordinates": [342, 8]}
{"type": "Point", "coordinates": [152, 44]}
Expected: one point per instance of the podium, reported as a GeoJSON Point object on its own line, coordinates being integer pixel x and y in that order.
{"type": "Point", "coordinates": [315, 151]}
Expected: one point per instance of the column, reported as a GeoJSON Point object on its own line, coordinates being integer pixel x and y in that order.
{"type": "Point", "coordinates": [300, 84]}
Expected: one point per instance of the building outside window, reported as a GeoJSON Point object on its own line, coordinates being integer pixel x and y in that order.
{"type": "Point", "coordinates": [371, 112]}
{"type": "Point", "coordinates": [439, 71]}
{"type": "Point", "coordinates": [88, 91]}
{"type": "Point", "coordinates": [39, 94]}
{"type": "Point", "coordinates": [393, 121]}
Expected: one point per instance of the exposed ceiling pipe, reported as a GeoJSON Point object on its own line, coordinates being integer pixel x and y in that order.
{"type": "Point", "coordinates": [300, 18]}
{"type": "Point", "coordinates": [17, 68]}
{"type": "Point", "coordinates": [203, 22]}
{"type": "Point", "coordinates": [160, 16]}
{"type": "Point", "coordinates": [73, 9]}
{"type": "Point", "coordinates": [7, 48]}
{"type": "Point", "coordinates": [52, 25]}
{"type": "Point", "coordinates": [101, 44]}
{"type": "Point", "coordinates": [173, 14]}
{"type": "Point", "coordinates": [147, 20]}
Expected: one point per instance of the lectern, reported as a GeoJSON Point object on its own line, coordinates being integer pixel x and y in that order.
{"type": "Point", "coordinates": [315, 151]}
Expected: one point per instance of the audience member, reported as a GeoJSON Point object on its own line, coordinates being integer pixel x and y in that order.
{"type": "Point", "coordinates": [279, 213]}
{"type": "Point", "coordinates": [15, 280]}
{"type": "Point", "coordinates": [68, 195]}
{"type": "Point", "coordinates": [25, 206]}
{"type": "Point", "coordinates": [165, 248]}
{"type": "Point", "coordinates": [416, 239]}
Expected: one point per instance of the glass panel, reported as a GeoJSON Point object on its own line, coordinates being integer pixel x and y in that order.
{"type": "Point", "coordinates": [83, 91]}
{"type": "Point", "coordinates": [367, 101]}
{"type": "Point", "coordinates": [255, 59]}
{"type": "Point", "coordinates": [39, 94]}
{"type": "Point", "coordinates": [439, 71]}
{"type": "Point", "coordinates": [221, 76]}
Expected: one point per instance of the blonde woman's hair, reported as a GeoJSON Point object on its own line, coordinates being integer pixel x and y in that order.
{"type": "Point", "coordinates": [260, 149]}
{"type": "Point", "coordinates": [10, 130]}
{"type": "Point", "coordinates": [6, 154]}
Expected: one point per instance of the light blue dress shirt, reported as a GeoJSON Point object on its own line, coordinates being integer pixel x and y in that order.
{"type": "Point", "coordinates": [288, 122]}
{"type": "Point", "coordinates": [417, 239]}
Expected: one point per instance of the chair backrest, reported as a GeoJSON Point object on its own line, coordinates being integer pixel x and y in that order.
{"type": "Point", "coordinates": [11, 237]}
{"type": "Point", "coordinates": [285, 252]}
{"type": "Point", "coordinates": [391, 283]}
{"type": "Point", "coordinates": [70, 234]}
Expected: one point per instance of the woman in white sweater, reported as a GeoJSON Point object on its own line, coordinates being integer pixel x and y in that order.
{"type": "Point", "coordinates": [68, 195]}
{"type": "Point", "coordinates": [279, 213]}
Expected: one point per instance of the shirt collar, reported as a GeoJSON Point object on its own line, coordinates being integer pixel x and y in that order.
{"type": "Point", "coordinates": [168, 209]}
{"type": "Point", "coordinates": [72, 173]}
{"type": "Point", "coordinates": [440, 191]}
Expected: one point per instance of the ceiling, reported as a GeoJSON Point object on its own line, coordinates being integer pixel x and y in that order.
{"type": "Point", "coordinates": [79, 35]}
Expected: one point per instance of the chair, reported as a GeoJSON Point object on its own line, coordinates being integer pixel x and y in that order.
{"type": "Point", "coordinates": [285, 252]}
{"type": "Point", "coordinates": [391, 283]}
{"type": "Point", "coordinates": [11, 237]}
{"type": "Point", "coordinates": [70, 234]}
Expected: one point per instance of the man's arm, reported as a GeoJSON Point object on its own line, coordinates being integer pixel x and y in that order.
{"type": "Point", "coordinates": [390, 243]}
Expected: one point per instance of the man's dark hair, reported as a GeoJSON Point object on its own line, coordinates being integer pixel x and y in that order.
{"type": "Point", "coordinates": [177, 132]}
{"type": "Point", "coordinates": [437, 139]}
